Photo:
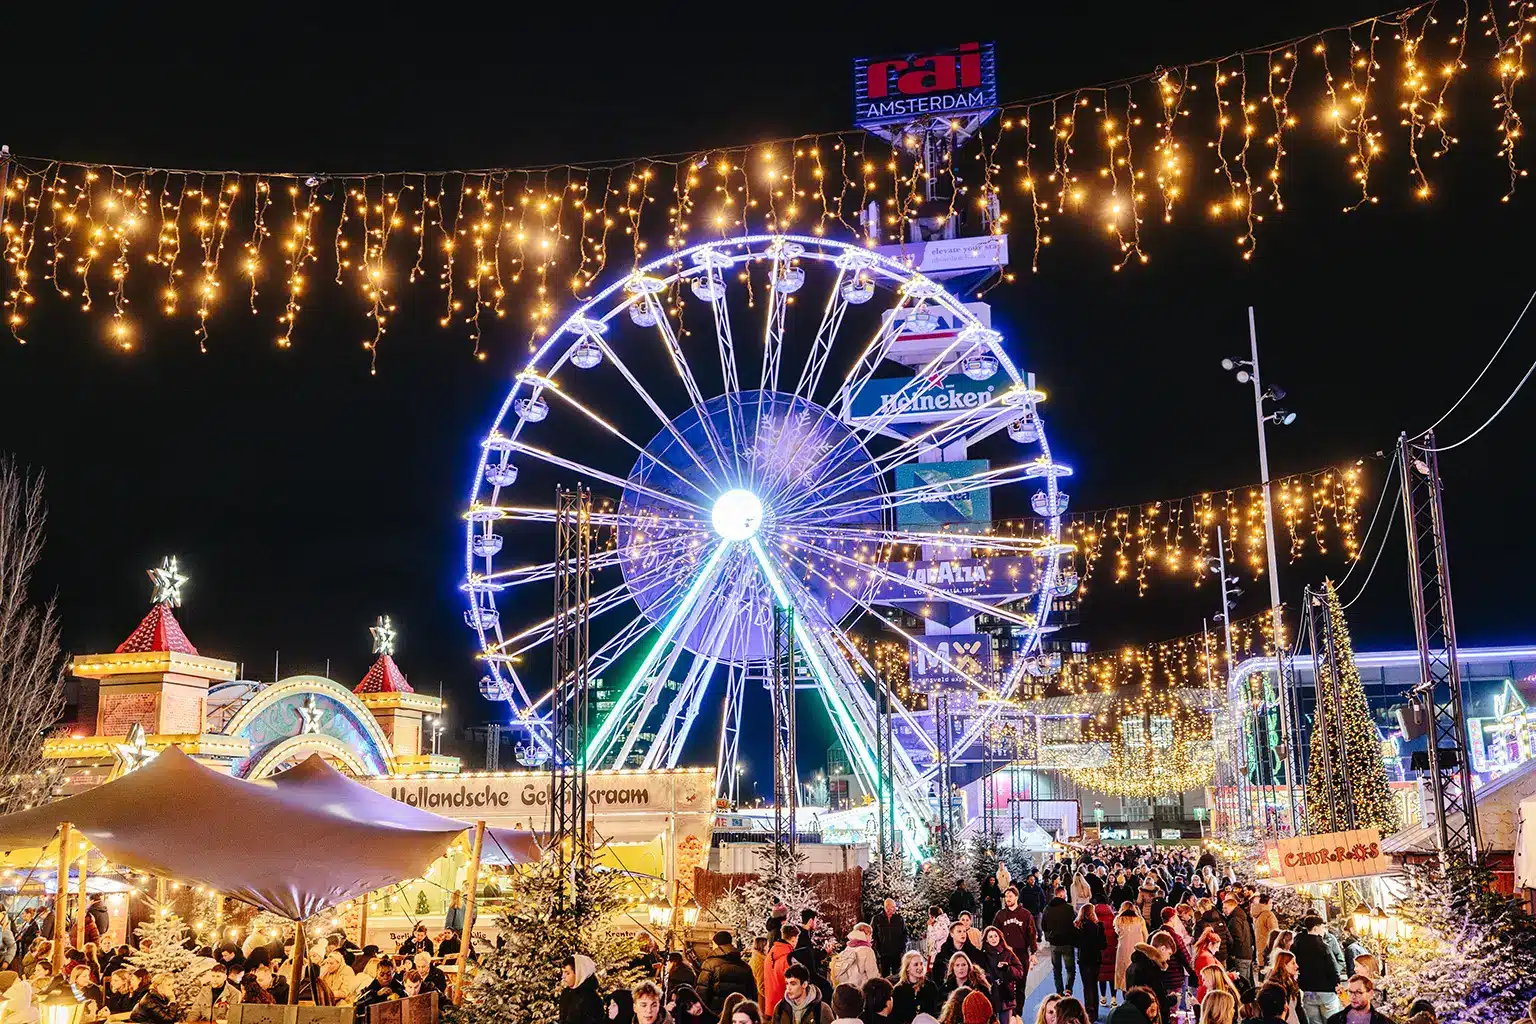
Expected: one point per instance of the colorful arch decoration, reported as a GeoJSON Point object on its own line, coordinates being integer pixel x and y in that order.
{"type": "Point", "coordinates": [300, 715]}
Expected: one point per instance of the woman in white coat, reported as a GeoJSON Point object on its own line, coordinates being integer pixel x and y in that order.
{"type": "Point", "coordinates": [1132, 932]}
{"type": "Point", "coordinates": [16, 1003]}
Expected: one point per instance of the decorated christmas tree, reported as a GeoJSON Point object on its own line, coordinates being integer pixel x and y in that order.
{"type": "Point", "coordinates": [162, 950]}
{"type": "Point", "coordinates": [422, 908]}
{"type": "Point", "coordinates": [1345, 738]}
{"type": "Point", "coordinates": [545, 919]}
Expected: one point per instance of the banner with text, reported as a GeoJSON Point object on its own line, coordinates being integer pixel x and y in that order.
{"type": "Point", "coordinates": [942, 503]}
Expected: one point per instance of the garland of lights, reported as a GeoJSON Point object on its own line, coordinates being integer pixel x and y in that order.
{"type": "Point", "coordinates": [1211, 135]}
{"type": "Point", "coordinates": [1157, 745]}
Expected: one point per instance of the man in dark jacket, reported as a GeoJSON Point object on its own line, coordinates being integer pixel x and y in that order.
{"type": "Point", "coordinates": [960, 899]}
{"type": "Point", "coordinates": [1141, 1006]}
{"type": "Point", "coordinates": [1148, 968]}
{"type": "Point", "coordinates": [1058, 925]}
{"type": "Point", "coordinates": [808, 951]}
{"type": "Point", "coordinates": [383, 988]}
{"type": "Point", "coordinates": [1018, 925]}
{"type": "Point", "coordinates": [1240, 928]}
{"type": "Point", "coordinates": [1318, 974]}
{"type": "Point", "coordinates": [579, 1001]}
{"type": "Point", "coordinates": [890, 937]}
{"type": "Point", "coordinates": [723, 972]}
{"type": "Point", "coordinates": [1031, 896]}
{"type": "Point", "coordinates": [1213, 920]}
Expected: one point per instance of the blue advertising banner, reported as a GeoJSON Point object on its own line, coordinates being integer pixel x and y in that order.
{"type": "Point", "coordinates": [1001, 579]}
{"type": "Point", "coordinates": [960, 505]}
{"type": "Point", "coordinates": [952, 396]}
{"type": "Point", "coordinates": [950, 662]}
{"type": "Point", "coordinates": [898, 90]}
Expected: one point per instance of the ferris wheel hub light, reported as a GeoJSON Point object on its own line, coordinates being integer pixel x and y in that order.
{"type": "Point", "coordinates": [737, 514]}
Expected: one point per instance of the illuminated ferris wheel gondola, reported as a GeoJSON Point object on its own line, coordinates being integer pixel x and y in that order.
{"type": "Point", "coordinates": [731, 408]}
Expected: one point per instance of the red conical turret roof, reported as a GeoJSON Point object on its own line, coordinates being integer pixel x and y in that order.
{"type": "Point", "coordinates": [384, 677]}
{"type": "Point", "coordinates": [158, 632]}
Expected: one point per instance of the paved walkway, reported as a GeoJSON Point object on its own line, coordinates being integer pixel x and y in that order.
{"type": "Point", "coordinates": [1040, 984]}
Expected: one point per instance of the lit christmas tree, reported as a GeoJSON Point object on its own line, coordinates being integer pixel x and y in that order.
{"type": "Point", "coordinates": [162, 950]}
{"type": "Point", "coordinates": [1360, 760]}
{"type": "Point", "coordinates": [520, 981]}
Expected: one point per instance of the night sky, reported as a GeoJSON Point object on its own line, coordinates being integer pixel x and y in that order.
{"type": "Point", "coordinates": [305, 497]}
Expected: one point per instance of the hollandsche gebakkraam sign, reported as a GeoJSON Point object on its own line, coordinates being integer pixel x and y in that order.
{"type": "Point", "coordinates": [901, 89]}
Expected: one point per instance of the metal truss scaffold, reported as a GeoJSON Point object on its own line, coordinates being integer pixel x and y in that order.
{"type": "Point", "coordinates": [571, 678]}
{"type": "Point", "coordinates": [1434, 623]}
{"type": "Point", "coordinates": [781, 690]}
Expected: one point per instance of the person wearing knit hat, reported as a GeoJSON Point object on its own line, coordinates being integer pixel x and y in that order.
{"type": "Point", "coordinates": [977, 1009]}
{"type": "Point", "coordinates": [16, 1005]}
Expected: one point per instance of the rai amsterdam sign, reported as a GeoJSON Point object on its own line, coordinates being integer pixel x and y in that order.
{"type": "Point", "coordinates": [1328, 857]}
{"type": "Point", "coordinates": [900, 89]}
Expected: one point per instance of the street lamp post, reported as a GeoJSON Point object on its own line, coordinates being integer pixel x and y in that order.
{"type": "Point", "coordinates": [1248, 370]}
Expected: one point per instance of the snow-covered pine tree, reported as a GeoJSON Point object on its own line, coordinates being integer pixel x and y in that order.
{"type": "Point", "coordinates": [898, 882]}
{"type": "Point", "coordinates": [1470, 949]}
{"type": "Point", "coordinates": [744, 910]}
{"type": "Point", "coordinates": [162, 950]}
{"type": "Point", "coordinates": [937, 880]}
{"type": "Point", "coordinates": [1359, 754]}
{"type": "Point", "coordinates": [519, 981]}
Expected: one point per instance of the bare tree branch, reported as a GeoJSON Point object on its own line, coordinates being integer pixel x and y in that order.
{"type": "Point", "coordinates": [31, 665]}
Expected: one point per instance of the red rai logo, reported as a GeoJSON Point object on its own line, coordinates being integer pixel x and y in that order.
{"type": "Point", "coordinates": [919, 76]}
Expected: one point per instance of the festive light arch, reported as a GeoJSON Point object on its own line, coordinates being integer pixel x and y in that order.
{"type": "Point", "coordinates": [296, 748]}
{"type": "Point", "coordinates": [270, 720]}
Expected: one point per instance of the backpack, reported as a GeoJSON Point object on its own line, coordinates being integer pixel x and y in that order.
{"type": "Point", "coordinates": [845, 968]}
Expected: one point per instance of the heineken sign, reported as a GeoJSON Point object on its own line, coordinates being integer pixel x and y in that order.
{"type": "Point", "coordinates": [910, 400]}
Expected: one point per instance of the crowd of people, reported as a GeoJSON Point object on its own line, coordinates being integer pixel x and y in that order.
{"type": "Point", "coordinates": [1153, 936]}
{"type": "Point", "coordinates": [107, 982]}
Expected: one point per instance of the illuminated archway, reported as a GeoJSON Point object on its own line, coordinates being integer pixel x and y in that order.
{"type": "Point", "coordinates": [309, 714]}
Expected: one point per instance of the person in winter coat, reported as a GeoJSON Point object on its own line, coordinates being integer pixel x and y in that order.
{"type": "Point", "coordinates": [779, 962]}
{"type": "Point", "coordinates": [215, 995]}
{"type": "Point", "coordinates": [1082, 892]}
{"type": "Point", "coordinates": [758, 961]}
{"type": "Point", "coordinates": [579, 1001]}
{"type": "Point", "coordinates": [1140, 1006]}
{"type": "Point", "coordinates": [679, 973]}
{"type": "Point", "coordinates": [991, 898]}
{"type": "Point", "coordinates": [959, 941]}
{"type": "Point", "coordinates": [890, 937]}
{"type": "Point", "coordinates": [382, 989]}
{"type": "Point", "coordinates": [338, 982]}
{"type": "Point", "coordinates": [935, 934]}
{"type": "Point", "coordinates": [1005, 970]}
{"type": "Point", "coordinates": [964, 972]}
{"type": "Point", "coordinates": [16, 1005]}
{"type": "Point", "coordinates": [1058, 925]}
{"type": "Point", "coordinates": [1130, 931]}
{"type": "Point", "coordinates": [1148, 968]}
{"type": "Point", "coordinates": [1176, 960]}
{"type": "Point", "coordinates": [1240, 951]}
{"type": "Point", "coordinates": [1318, 974]}
{"type": "Point", "coordinates": [1208, 951]}
{"type": "Point", "coordinates": [801, 1002]}
{"type": "Point", "coordinates": [158, 1005]}
{"type": "Point", "coordinates": [915, 991]}
{"type": "Point", "coordinates": [855, 963]}
{"type": "Point", "coordinates": [1031, 895]}
{"type": "Point", "coordinates": [1091, 943]}
{"type": "Point", "coordinates": [961, 899]}
{"type": "Point", "coordinates": [1214, 920]}
{"type": "Point", "coordinates": [1018, 926]}
{"type": "Point", "coordinates": [1106, 918]}
{"type": "Point", "coordinates": [1004, 877]}
{"type": "Point", "coordinates": [1265, 924]}
{"type": "Point", "coordinates": [723, 972]}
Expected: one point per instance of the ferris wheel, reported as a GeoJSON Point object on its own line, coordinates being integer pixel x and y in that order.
{"type": "Point", "coordinates": [764, 420]}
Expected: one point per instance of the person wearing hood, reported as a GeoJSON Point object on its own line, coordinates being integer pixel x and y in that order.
{"type": "Point", "coordinates": [1149, 969]}
{"type": "Point", "coordinates": [16, 1005]}
{"type": "Point", "coordinates": [337, 980]}
{"type": "Point", "coordinates": [579, 1001]}
{"type": "Point", "coordinates": [855, 963]}
{"type": "Point", "coordinates": [723, 972]}
{"type": "Point", "coordinates": [802, 1002]}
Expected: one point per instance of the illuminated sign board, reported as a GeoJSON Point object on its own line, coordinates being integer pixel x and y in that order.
{"type": "Point", "coordinates": [907, 400]}
{"type": "Point", "coordinates": [1330, 856]}
{"type": "Point", "coordinates": [1002, 578]}
{"type": "Point", "coordinates": [920, 335]}
{"type": "Point", "coordinates": [901, 89]}
{"type": "Point", "coordinates": [941, 505]}
{"type": "Point", "coordinates": [954, 662]}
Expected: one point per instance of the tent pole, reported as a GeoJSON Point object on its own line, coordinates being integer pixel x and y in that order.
{"type": "Point", "coordinates": [298, 963]}
{"type": "Point", "coordinates": [473, 887]}
{"type": "Point", "coordinates": [80, 914]}
{"type": "Point", "coordinates": [61, 898]}
{"type": "Point", "coordinates": [362, 923]}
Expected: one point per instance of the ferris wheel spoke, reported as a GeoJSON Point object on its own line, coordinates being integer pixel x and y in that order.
{"type": "Point", "coordinates": [524, 574]}
{"type": "Point", "coordinates": [982, 480]}
{"type": "Point", "coordinates": [886, 537]}
{"type": "Point", "coordinates": [691, 385]}
{"type": "Point", "coordinates": [871, 357]}
{"type": "Point", "coordinates": [706, 575]}
{"type": "Point", "coordinates": [650, 403]}
{"type": "Point", "coordinates": [821, 346]}
{"type": "Point", "coordinates": [896, 627]}
{"type": "Point", "coordinates": [540, 632]}
{"type": "Point", "coordinates": [875, 572]}
{"type": "Point", "coordinates": [614, 648]}
{"type": "Point", "coordinates": [678, 723]}
{"type": "Point", "coordinates": [608, 478]}
{"type": "Point", "coordinates": [550, 387]}
{"type": "Point", "coordinates": [715, 265]}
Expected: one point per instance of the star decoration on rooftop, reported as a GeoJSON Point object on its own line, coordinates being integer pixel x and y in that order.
{"type": "Point", "coordinates": [168, 580]}
{"type": "Point", "coordinates": [135, 752]}
{"type": "Point", "coordinates": [383, 636]}
{"type": "Point", "coordinates": [310, 714]}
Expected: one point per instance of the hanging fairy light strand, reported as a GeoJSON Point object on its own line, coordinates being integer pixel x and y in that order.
{"type": "Point", "coordinates": [1212, 138]}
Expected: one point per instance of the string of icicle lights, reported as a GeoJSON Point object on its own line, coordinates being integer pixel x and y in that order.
{"type": "Point", "coordinates": [1208, 140]}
